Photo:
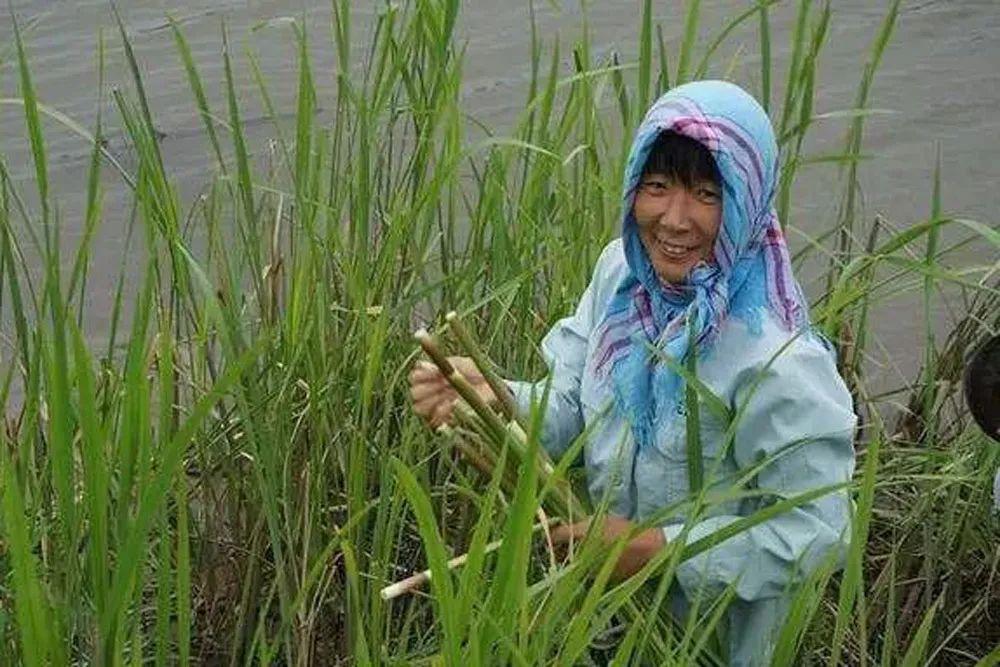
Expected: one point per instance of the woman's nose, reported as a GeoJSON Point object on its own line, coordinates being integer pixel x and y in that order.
{"type": "Point", "coordinates": [676, 211]}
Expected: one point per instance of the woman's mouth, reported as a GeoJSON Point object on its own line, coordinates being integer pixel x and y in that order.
{"type": "Point", "coordinates": [674, 251]}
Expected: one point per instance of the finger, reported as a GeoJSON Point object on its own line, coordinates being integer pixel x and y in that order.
{"type": "Point", "coordinates": [442, 413]}
{"type": "Point", "coordinates": [560, 534]}
{"type": "Point", "coordinates": [575, 531]}
{"type": "Point", "coordinates": [423, 371]}
{"type": "Point", "coordinates": [563, 534]}
{"type": "Point", "coordinates": [424, 414]}
{"type": "Point", "coordinates": [419, 390]}
{"type": "Point", "coordinates": [425, 390]}
{"type": "Point", "coordinates": [431, 400]}
{"type": "Point", "coordinates": [432, 377]}
{"type": "Point", "coordinates": [427, 407]}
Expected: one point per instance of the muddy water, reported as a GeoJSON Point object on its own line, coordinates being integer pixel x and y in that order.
{"type": "Point", "coordinates": [940, 78]}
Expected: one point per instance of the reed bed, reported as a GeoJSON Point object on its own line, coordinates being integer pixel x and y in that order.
{"type": "Point", "coordinates": [234, 474]}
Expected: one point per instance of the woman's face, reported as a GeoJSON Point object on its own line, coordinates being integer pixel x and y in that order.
{"type": "Point", "coordinates": [677, 225]}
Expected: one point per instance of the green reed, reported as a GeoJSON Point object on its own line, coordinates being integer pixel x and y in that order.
{"type": "Point", "coordinates": [236, 476]}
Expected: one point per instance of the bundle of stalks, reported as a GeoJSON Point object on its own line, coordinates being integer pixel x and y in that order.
{"type": "Point", "coordinates": [497, 426]}
{"type": "Point", "coordinates": [481, 433]}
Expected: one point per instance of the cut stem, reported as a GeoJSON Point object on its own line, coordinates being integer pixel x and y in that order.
{"type": "Point", "coordinates": [412, 583]}
{"type": "Point", "coordinates": [496, 383]}
{"type": "Point", "coordinates": [462, 385]}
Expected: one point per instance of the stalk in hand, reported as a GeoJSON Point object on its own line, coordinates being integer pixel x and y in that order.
{"type": "Point", "coordinates": [434, 397]}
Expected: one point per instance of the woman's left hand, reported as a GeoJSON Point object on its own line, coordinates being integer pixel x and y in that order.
{"type": "Point", "coordinates": [639, 550]}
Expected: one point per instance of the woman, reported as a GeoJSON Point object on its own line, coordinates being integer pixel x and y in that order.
{"type": "Point", "coordinates": [701, 269]}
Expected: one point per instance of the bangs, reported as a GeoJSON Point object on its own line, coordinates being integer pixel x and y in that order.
{"type": "Point", "coordinates": [682, 159]}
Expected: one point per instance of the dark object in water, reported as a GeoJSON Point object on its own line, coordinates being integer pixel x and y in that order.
{"type": "Point", "coordinates": [982, 393]}
{"type": "Point", "coordinates": [982, 387]}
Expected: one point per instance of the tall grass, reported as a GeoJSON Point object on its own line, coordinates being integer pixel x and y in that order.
{"type": "Point", "coordinates": [238, 474]}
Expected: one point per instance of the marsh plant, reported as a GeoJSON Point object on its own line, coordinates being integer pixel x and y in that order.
{"type": "Point", "coordinates": [231, 472]}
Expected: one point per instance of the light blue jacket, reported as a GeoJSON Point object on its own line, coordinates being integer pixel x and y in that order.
{"type": "Point", "coordinates": [796, 396]}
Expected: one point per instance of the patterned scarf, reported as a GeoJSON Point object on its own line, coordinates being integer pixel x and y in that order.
{"type": "Point", "coordinates": [750, 272]}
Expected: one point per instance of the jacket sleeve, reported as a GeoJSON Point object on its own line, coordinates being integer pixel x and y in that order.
{"type": "Point", "coordinates": [800, 405]}
{"type": "Point", "coordinates": [564, 349]}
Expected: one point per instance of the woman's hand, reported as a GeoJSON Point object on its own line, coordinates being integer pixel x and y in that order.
{"type": "Point", "coordinates": [434, 397]}
{"type": "Point", "coordinates": [639, 550]}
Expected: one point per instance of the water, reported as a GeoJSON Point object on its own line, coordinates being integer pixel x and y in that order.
{"type": "Point", "coordinates": [940, 77]}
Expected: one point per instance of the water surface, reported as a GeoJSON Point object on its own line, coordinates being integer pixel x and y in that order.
{"type": "Point", "coordinates": [940, 78]}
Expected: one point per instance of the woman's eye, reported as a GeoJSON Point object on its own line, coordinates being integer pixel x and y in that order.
{"type": "Point", "coordinates": [708, 195]}
{"type": "Point", "coordinates": [655, 186]}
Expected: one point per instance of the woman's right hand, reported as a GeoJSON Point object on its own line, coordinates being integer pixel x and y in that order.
{"type": "Point", "coordinates": [434, 397]}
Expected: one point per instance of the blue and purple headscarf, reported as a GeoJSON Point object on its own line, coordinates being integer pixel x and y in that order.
{"type": "Point", "coordinates": [749, 274]}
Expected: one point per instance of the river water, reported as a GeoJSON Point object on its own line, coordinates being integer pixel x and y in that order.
{"type": "Point", "coordinates": [940, 77]}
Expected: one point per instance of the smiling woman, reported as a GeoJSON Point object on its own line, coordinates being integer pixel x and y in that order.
{"type": "Point", "coordinates": [701, 273]}
{"type": "Point", "coordinates": [205, 456]}
{"type": "Point", "coordinates": [678, 206]}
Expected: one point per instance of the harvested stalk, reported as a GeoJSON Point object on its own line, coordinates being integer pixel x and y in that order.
{"type": "Point", "coordinates": [480, 417]}
{"type": "Point", "coordinates": [499, 387]}
{"type": "Point", "coordinates": [461, 384]}
{"type": "Point", "coordinates": [562, 502]}
{"type": "Point", "coordinates": [514, 427]}
{"type": "Point", "coordinates": [480, 462]}
{"type": "Point", "coordinates": [495, 431]}
{"type": "Point", "coordinates": [414, 582]}
{"type": "Point", "coordinates": [472, 428]}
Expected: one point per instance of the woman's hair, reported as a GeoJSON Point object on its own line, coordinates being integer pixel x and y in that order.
{"type": "Point", "coordinates": [682, 159]}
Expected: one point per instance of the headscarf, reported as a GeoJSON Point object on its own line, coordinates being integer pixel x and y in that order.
{"type": "Point", "coordinates": [749, 273]}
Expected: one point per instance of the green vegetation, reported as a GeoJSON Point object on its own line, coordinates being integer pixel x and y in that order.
{"type": "Point", "coordinates": [236, 475]}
